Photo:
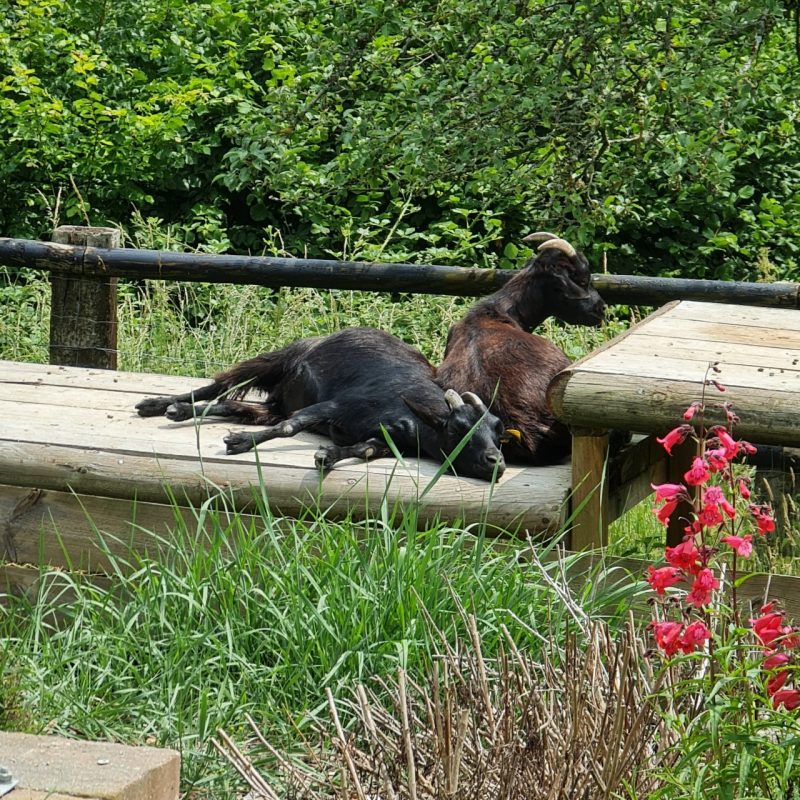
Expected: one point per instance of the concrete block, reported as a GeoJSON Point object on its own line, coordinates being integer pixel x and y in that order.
{"type": "Point", "coordinates": [97, 770]}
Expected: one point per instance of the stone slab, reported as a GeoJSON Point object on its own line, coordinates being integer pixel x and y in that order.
{"type": "Point", "coordinates": [97, 770]}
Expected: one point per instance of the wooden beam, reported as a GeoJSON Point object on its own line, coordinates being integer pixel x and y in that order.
{"type": "Point", "coordinates": [83, 312]}
{"type": "Point", "coordinates": [367, 276]}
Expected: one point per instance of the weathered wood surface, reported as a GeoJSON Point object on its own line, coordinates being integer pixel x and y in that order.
{"type": "Point", "coordinates": [590, 502]}
{"type": "Point", "coordinates": [645, 379]}
{"type": "Point", "coordinates": [83, 311]}
{"type": "Point", "coordinates": [328, 274]}
{"type": "Point", "coordinates": [71, 430]}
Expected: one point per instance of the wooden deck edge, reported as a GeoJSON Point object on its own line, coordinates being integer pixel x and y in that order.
{"type": "Point", "coordinates": [558, 385]}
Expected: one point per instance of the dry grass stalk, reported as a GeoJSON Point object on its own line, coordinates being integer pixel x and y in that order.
{"type": "Point", "coordinates": [579, 725]}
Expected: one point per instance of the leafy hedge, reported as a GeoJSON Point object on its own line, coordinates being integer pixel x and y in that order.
{"type": "Point", "coordinates": [663, 133]}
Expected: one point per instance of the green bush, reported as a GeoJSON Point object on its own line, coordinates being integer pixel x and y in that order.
{"type": "Point", "coordinates": [663, 134]}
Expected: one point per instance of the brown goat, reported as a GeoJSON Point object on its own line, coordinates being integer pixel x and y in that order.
{"type": "Point", "coordinates": [493, 352]}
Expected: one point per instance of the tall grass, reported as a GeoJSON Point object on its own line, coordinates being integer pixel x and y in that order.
{"type": "Point", "coordinates": [240, 616]}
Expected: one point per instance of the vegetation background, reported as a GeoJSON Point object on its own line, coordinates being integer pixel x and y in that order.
{"type": "Point", "coordinates": [661, 136]}
{"type": "Point", "coordinates": [661, 133]}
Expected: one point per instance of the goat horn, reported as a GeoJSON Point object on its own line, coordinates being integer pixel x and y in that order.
{"type": "Point", "coordinates": [453, 399]}
{"type": "Point", "coordinates": [473, 400]}
{"type": "Point", "coordinates": [539, 236]}
{"type": "Point", "coordinates": [559, 244]}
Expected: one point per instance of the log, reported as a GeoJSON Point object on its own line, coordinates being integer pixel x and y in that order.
{"type": "Point", "coordinates": [83, 312]}
{"type": "Point", "coordinates": [366, 276]}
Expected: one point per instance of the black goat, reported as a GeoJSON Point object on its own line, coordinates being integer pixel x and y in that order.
{"type": "Point", "coordinates": [493, 352]}
{"type": "Point", "coordinates": [348, 386]}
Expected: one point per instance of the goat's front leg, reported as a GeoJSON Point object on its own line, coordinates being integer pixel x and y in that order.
{"type": "Point", "coordinates": [312, 416]}
{"type": "Point", "coordinates": [331, 454]}
{"type": "Point", "coordinates": [157, 406]}
{"type": "Point", "coordinates": [246, 413]}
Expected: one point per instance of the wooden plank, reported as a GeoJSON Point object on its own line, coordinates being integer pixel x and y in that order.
{"type": "Point", "coordinates": [89, 440]}
{"type": "Point", "coordinates": [534, 498]}
{"type": "Point", "coordinates": [632, 473]}
{"type": "Point", "coordinates": [704, 333]}
{"type": "Point", "coordinates": [82, 532]}
{"type": "Point", "coordinates": [623, 362]}
{"type": "Point", "coordinates": [781, 319]}
{"type": "Point", "coordinates": [50, 586]}
{"type": "Point", "coordinates": [657, 347]}
{"type": "Point", "coordinates": [136, 383]}
{"type": "Point", "coordinates": [630, 403]}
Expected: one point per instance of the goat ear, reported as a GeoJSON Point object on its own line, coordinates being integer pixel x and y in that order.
{"type": "Point", "coordinates": [428, 415]}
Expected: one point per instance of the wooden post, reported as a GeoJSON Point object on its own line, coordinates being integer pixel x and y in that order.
{"type": "Point", "coordinates": [589, 489]}
{"type": "Point", "coordinates": [83, 313]}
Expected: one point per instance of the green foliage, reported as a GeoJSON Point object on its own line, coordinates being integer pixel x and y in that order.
{"type": "Point", "coordinates": [732, 744]}
{"type": "Point", "coordinates": [231, 614]}
{"type": "Point", "coordinates": [663, 134]}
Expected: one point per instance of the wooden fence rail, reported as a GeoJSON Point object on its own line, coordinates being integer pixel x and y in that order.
{"type": "Point", "coordinates": [85, 275]}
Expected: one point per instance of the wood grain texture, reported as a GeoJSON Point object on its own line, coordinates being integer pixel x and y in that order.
{"type": "Point", "coordinates": [83, 311]}
{"type": "Point", "coordinates": [590, 510]}
{"type": "Point", "coordinates": [645, 380]}
{"type": "Point", "coordinates": [327, 274]}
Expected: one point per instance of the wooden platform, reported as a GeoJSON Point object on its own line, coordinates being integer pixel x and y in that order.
{"type": "Point", "coordinates": [644, 379]}
{"type": "Point", "coordinates": [72, 449]}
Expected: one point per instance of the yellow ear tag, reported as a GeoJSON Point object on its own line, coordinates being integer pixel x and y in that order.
{"type": "Point", "coordinates": [515, 433]}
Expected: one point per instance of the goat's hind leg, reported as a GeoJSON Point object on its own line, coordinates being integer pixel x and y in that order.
{"type": "Point", "coordinates": [310, 417]}
{"type": "Point", "coordinates": [246, 413]}
{"type": "Point", "coordinates": [331, 454]}
{"type": "Point", "coordinates": [157, 406]}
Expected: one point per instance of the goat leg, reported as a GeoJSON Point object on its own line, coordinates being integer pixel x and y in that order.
{"type": "Point", "coordinates": [310, 417]}
{"type": "Point", "coordinates": [331, 454]}
{"type": "Point", "coordinates": [157, 406]}
{"type": "Point", "coordinates": [246, 413]}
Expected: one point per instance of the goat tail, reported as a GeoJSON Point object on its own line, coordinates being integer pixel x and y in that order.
{"type": "Point", "coordinates": [258, 374]}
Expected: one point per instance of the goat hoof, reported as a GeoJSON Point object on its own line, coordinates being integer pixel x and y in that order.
{"type": "Point", "coordinates": [325, 458]}
{"type": "Point", "coordinates": [153, 406]}
{"type": "Point", "coordinates": [178, 412]}
{"type": "Point", "coordinates": [238, 443]}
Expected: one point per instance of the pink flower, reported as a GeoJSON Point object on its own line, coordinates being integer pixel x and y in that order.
{"type": "Point", "coordinates": [663, 578]}
{"type": "Point", "coordinates": [710, 516]}
{"type": "Point", "coordinates": [664, 512]}
{"type": "Point", "coordinates": [717, 384]}
{"type": "Point", "coordinates": [744, 491]}
{"type": "Point", "coordinates": [691, 411]}
{"type": "Point", "coordinates": [698, 473]}
{"type": "Point", "coordinates": [727, 442]}
{"type": "Point", "coordinates": [675, 436]}
{"type": "Point", "coordinates": [732, 418]}
{"type": "Point", "coordinates": [667, 636]}
{"type": "Point", "coordinates": [684, 557]}
{"type": "Point", "coordinates": [695, 634]}
{"type": "Point", "coordinates": [776, 660]}
{"type": "Point", "coordinates": [668, 491]}
{"type": "Point", "coordinates": [741, 544]}
{"type": "Point", "coordinates": [775, 683]}
{"type": "Point", "coordinates": [763, 517]}
{"type": "Point", "coordinates": [717, 461]}
{"type": "Point", "coordinates": [768, 627]}
{"type": "Point", "coordinates": [789, 698]}
{"type": "Point", "coordinates": [704, 584]}
{"type": "Point", "coordinates": [713, 495]}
